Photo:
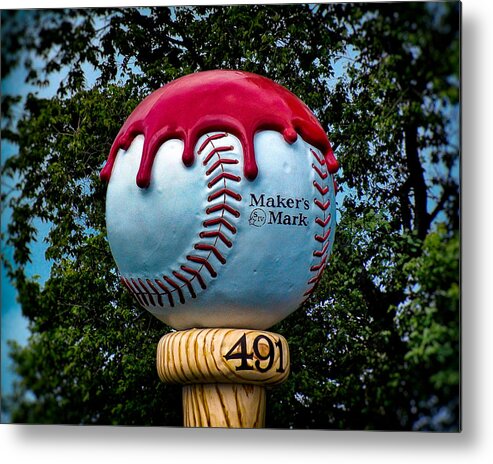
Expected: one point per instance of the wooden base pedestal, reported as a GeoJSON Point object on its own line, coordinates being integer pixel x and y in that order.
{"type": "Point", "coordinates": [224, 405]}
{"type": "Point", "coordinates": [224, 373]}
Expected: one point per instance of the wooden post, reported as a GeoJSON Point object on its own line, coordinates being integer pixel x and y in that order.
{"type": "Point", "coordinates": [224, 373]}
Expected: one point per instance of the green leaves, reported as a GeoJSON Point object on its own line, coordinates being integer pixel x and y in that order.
{"type": "Point", "coordinates": [430, 315]}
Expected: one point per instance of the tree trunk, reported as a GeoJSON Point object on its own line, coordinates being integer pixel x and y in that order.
{"type": "Point", "coordinates": [417, 181]}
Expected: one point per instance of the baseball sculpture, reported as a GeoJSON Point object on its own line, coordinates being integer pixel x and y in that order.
{"type": "Point", "coordinates": [220, 214]}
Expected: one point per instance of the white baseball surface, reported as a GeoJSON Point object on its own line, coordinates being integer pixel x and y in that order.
{"type": "Point", "coordinates": [204, 247]}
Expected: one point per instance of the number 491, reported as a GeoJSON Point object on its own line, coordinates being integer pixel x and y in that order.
{"type": "Point", "coordinates": [240, 351]}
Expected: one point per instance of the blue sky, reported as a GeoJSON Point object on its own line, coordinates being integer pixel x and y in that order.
{"type": "Point", "coordinates": [14, 325]}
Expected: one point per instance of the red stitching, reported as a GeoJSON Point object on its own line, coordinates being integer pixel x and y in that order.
{"type": "Point", "coordinates": [213, 249]}
{"type": "Point", "coordinates": [220, 220]}
{"type": "Point", "coordinates": [218, 234]}
{"type": "Point", "coordinates": [322, 238]}
{"type": "Point", "coordinates": [210, 139]}
{"type": "Point", "coordinates": [319, 266]}
{"type": "Point", "coordinates": [224, 191]}
{"type": "Point", "coordinates": [314, 279]}
{"type": "Point", "coordinates": [200, 260]}
{"type": "Point", "coordinates": [221, 206]}
{"type": "Point", "coordinates": [145, 293]}
{"type": "Point", "coordinates": [139, 291]}
{"type": "Point", "coordinates": [187, 282]}
{"type": "Point", "coordinates": [195, 273]}
{"type": "Point", "coordinates": [132, 290]}
{"type": "Point", "coordinates": [156, 291]}
{"type": "Point", "coordinates": [321, 161]}
{"type": "Point", "coordinates": [323, 223]}
{"type": "Point", "coordinates": [176, 287]}
{"type": "Point", "coordinates": [309, 291]}
{"type": "Point", "coordinates": [320, 253]}
{"type": "Point", "coordinates": [219, 163]}
{"type": "Point", "coordinates": [322, 206]}
{"type": "Point", "coordinates": [322, 190]}
{"type": "Point", "coordinates": [223, 175]}
{"type": "Point", "coordinates": [322, 174]}
{"type": "Point", "coordinates": [215, 151]}
{"type": "Point", "coordinates": [124, 282]}
{"type": "Point", "coordinates": [168, 293]}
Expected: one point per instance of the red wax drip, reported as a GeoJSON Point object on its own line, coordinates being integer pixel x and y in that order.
{"type": "Point", "coordinates": [233, 101]}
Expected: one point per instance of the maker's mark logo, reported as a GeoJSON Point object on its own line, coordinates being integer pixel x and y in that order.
{"type": "Point", "coordinates": [287, 211]}
{"type": "Point", "coordinates": [257, 217]}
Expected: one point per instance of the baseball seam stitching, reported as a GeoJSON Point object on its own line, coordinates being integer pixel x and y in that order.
{"type": "Point", "coordinates": [322, 241]}
{"type": "Point", "coordinates": [139, 289]}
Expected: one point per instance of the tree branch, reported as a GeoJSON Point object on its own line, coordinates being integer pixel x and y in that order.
{"type": "Point", "coordinates": [448, 190]}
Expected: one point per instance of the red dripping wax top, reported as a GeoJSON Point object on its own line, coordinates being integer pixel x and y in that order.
{"type": "Point", "coordinates": [232, 101]}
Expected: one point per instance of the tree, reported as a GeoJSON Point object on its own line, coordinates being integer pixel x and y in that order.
{"type": "Point", "coordinates": [382, 309]}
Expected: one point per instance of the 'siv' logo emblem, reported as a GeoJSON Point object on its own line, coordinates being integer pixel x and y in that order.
{"type": "Point", "coordinates": [257, 217]}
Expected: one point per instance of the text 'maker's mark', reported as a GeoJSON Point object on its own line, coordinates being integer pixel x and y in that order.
{"type": "Point", "coordinates": [280, 210]}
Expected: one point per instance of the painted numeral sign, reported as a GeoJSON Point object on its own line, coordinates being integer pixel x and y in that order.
{"type": "Point", "coordinates": [260, 356]}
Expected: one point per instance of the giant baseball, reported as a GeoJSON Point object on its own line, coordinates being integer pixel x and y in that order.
{"type": "Point", "coordinates": [220, 203]}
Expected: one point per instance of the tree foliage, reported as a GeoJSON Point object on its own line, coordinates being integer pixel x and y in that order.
{"type": "Point", "coordinates": [377, 346]}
